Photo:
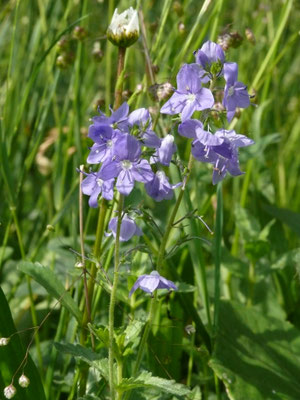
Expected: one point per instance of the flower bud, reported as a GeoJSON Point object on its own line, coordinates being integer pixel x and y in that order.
{"type": "Point", "coordinates": [250, 36]}
{"type": "Point", "coordinates": [236, 39]}
{"type": "Point", "coordinates": [63, 45]}
{"type": "Point", "coordinates": [64, 60]}
{"type": "Point", "coordinates": [178, 8]}
{"type": "Point", "coordinates": [160, 92]}
{"type": "Point", "coordinates": [124, 29]}
{"type": "Point", "coordinates": [126, 94]}
{"type": "Point", "coordinates": [4, 341]}
{"type": "Point", "coordinates": [79, 264]}
{"type": "Point", "coordinates": [24, 381]}
{"type": "Point", "coordinates": [181, 28]}
{"type": "Point", "coordinates": [79, 33]}
{"type": "Point", "coordinates": [99, 103]}
{"type": "Point", "coordinates": [97, 52]}
{"type": "Point", "coordinates": [190, 329]}
{"type": "Point", "coordinates": [9, 391]}
{"type": "Point", "coordinates": [50, 228]}
{"type": "Point", "coordinates": [224, 41]}
{"type": "Point", "coordinates": [230, 39]}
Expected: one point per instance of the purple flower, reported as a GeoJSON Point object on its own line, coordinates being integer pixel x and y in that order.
{"type": "Point", "coordinates": [92, 185]}
{"type": "Point", "coordinates": [224, 157]}
{"type": "Point", "coordinates": [160, 188]}
{"type": "Point", "coordinates": [210, 53]}
{"type": "Point", "coordinates": [190, 95]}
{"type": "Point", "coordinates": [192, 128]}
{"type": "Point", "coordinates": [117, 120]}
{"type": "Point", "coordinates": [142, 120]}
{"type": "Point", "coordinates": [128, 228]}
{"type": "Point", "coordinates": [126, 165]}
{"type": "Point", "coordinates": [235, 94]}
{"type": "Point", "coordinates": [165, 152]}
{"type": "Point", "coordinates": [149, 283]}
{"type": "Point", "coordinates": [104, 137]}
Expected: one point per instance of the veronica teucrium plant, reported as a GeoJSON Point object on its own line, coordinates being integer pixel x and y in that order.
{"type": "Point", "coordinates": [128, 151]}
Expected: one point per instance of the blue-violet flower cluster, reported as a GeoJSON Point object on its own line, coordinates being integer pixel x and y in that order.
{"type": "Point", "coordinates": [221, 147]}
{"type": "Point", "coordinates": [120, 143]}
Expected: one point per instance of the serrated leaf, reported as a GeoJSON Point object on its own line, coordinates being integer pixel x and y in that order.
{"type": "Point", "coordinates": [257, 357]}
{"type": "Point", "coordinates": [101, 333]}
{"type": "Point", "coordinates": [12, 355]}
{"type": "Point", "coordinates": [132, 331]}
{"type": "Point", "coordinates": [90, 357]}
{"type": "Point", "coordinates": [146, 380]}
{"type": "Point", "coordinates": [46, 277]}
{"type": "Point", "coordinates": [76, 350]}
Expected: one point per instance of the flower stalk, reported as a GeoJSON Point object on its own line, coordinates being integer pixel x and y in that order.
{"type": "Point", "coordinates": [111, 355]}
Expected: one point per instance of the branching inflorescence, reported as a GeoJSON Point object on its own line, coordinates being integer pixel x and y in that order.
{"type": "Point", "coordinates": [127, 150]}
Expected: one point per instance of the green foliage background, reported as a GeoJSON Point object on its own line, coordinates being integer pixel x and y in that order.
{"type": "Point", "coordinates": [42, 105]}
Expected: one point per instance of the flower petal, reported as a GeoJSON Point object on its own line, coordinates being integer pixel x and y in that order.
{"type": "Point", "coordinates": [125, 182]}
{"type": "Point", "coordinates": [109, 170]}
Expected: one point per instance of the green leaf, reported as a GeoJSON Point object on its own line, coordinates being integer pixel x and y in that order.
{"type": "Point", "coordinates": [101, 332]}
{"type": "Point", "coordinates": [256, 249]}
{"type": "Point", "coordinates": [248, 225]}
{"type": "Point", "coordinates": [234, 265]}
{"type": "Point", "coordinates": [132, 332]}
{"type": "Point", "coordinates": [288, 217]}
{"type": "Point", "coordinates": [257, 357]}
{"type": "Point", "coordinates": [12, 355]}
{"type": "Point", "coordinates": [5, 252]}
{"type": "Point", "coordinates": [76, 350]}
{"type": "Point", "coordinates": [291, 258]}
{"type": "Point", "coordinates": [146, 380]}
{"type": "Point", "coordinates": [85, 354]}
{"type": "Point", "coordinates": [46, 277]}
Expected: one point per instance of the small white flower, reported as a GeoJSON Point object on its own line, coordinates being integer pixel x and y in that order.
{"type": "Point", "coordinates": [9, 391]}
{"type": "Point", "coordinates": [124, 29]}
{"type": "Point", "coordinates": [24, 381]}
{"type": "Point", "coordinates": [4, 341]}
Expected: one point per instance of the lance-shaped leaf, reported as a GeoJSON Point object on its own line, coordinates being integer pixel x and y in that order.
{"type": "Point", "coordinates": [146, 380]}
{"type": "Point", "coordinates": [46, 277]}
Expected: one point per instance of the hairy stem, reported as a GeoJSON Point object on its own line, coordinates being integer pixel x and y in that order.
{"type": "Point", "coordinates": [113, 301]}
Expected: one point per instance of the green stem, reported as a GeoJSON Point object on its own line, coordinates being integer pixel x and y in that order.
{"type": "Point", "coordinates": [119, 85]}
{"type": "Point", "coordinates": [251, 283]}
{"type": "Point", "coordinates": [113, 301]}
{"type": "Point", "coordinates": [90, 291]}
{"type": "Point", "coordinates": [218, 242]}
{"type": "Point", "coordinates": [160, 258]}
{"type": "Point", "coordinates": [165, 238]}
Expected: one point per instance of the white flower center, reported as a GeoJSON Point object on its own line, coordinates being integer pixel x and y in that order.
{"type": "Point", "coordinates": [160, 174]}
{"type": "Point", "coordinates": [99, 182]}
{"type": "Point", "coordinates": [109, 143]}
{"type": "Point", "coordinates": [230, 91]}
{"type": "Point", "coordinates": [126, 164]}
{"type": "Point", "coordinates": [191, 98]}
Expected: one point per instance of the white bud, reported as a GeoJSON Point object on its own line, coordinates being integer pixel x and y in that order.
{"type": "Point", "coordinates": [124, 29]}
{"type": "Point", "coordinates": [79, 264]}
{"type": "Point", "coordinates": [24, 381]}
{"type": "Point", "coordinates": [4, 341]}
{"type": "Point", "coordinates": [9, 392]}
